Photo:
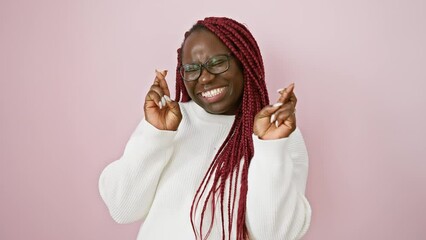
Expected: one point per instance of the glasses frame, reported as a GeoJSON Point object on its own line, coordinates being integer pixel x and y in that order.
{"type": "Point", "coordinates": [204, 66]}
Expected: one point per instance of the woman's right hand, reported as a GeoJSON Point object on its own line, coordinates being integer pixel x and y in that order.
{"type": "Point", "coordinates": [160, 111]}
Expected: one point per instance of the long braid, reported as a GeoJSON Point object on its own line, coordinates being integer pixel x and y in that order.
{"type": "Point", "coordinates": [238, 145]}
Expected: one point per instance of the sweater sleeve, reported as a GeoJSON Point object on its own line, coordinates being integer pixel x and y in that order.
{"type": "Point", "coordinates": [128, 185]}
{"type": "Point", "coordinates": [276, 205]}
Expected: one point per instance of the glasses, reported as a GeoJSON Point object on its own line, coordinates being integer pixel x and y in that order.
{"type": "Point", "coordinates": [215, 65]}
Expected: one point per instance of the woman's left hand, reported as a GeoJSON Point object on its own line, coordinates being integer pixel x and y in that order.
{"type": "Point", "coordinates": [278, 120]}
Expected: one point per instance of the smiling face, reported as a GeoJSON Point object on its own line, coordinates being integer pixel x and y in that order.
{"type": "Point", "coordinates": [220, 93]}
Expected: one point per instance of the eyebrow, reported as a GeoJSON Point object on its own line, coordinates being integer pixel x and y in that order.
{"type": "Point", "coordinates": [208, 58]}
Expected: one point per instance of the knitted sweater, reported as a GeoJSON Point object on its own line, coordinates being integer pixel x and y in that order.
{"type": "Point", "coordinates": [156, 179]}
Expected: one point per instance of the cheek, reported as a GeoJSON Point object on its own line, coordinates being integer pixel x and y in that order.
{"type": "Point", "coordinates": [239, 83]}
{"type": "Point", "coordinates": [189, 88]}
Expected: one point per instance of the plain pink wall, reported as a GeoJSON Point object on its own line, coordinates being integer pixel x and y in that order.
{"type": "Point", "coordinates": [74, 74]}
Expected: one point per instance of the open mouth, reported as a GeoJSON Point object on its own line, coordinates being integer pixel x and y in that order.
{"type": "Point", "coordinates": [214, 94]}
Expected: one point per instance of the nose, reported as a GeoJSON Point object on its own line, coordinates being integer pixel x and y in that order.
{"type": "Point", "coordinates": [205, 76]}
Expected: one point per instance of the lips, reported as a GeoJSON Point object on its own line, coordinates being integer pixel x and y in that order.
{"type": "Point", "coordinates": [213, 92]}
{"type": "Point", "coordinates": [214, 95]}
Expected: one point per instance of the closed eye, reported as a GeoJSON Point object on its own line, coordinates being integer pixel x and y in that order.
{"type": "Point", "coordinates": [191, 67]}
{"type": "Point", "coordinates": [216, 61]}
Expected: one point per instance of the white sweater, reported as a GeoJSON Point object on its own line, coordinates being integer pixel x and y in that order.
{"type": "Point", "coordinates": [159, 172]}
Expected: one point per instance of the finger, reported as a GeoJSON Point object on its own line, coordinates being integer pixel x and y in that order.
{"type": "Point", "coordinates": [293, 98]}
{"type": "Point", "coordinates": [286, 112]}
{"type": "Point", "coordinates": [283, 106]}
{"type": "Point", "coordinates": [284, 115]}
{"type": "Point", "coordinates": [285, 94]}
{"type": "Point", "coordinates": [157, 78]}
{"type": "Point", "coordinates": [154, 97]}
{"type": "Point", "coordinates": [163, 73]}
{"type": "Point", "coordinates": [162, 100]}
{"type": "Point", "coordinates": [281, 90]}
{"type": "Point", "coordinates": [289, 121]}
{"type": "Point", "coordinates": [173, 106]}
{"type": "Point", "coordinates": [161, 76]}
{"type": "Point", "coordinates": [157, 89]}
{"type": "Point", "coordinates": [269, 110]}
{"type": "Point", "coordinates": [291, 101]}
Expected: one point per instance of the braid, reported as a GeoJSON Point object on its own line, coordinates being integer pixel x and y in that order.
{"type": "Point", "coordinates": [238, 145]}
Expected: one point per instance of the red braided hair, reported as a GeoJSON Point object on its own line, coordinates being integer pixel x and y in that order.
{"type": "Point", "coordinates": [238, 146]}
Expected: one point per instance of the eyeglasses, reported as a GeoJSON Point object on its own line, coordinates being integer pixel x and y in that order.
{"type": "Point", "coordinates": [215, 65]}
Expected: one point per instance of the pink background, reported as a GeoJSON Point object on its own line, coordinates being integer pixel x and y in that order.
{"type": "Point", "coordinates": [73, 76]}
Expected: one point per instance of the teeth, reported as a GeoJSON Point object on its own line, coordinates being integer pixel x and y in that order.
{"type": "Point", "coordinates": [212, 93]}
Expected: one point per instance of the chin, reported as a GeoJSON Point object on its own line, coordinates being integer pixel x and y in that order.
{"type": "Point", "coordinates": [221, 111]}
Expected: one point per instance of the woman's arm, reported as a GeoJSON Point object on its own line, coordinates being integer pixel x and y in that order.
{"type": "Point", "coordinates": [276, 203]}
{"type": "Point", "coordinates": [128, 185]}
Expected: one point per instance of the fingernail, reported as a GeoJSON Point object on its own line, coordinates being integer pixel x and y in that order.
{"type": "Point", "coordinates": [276, 123]}
{"type": "Point", "coordinates": [160, 105]}
{"type": "Point", "coordinates": [278, 104]}
{"type": "Point", "coordinates": [159, 74]}
{"type": "Point", "coordinates": [167, 98]}
{"type": "Point", "coordinates": [163, 101]}
{"type": "Point", "coordinates": [280, 90]}
{"type": "Point", "coordinates": [273, 118]}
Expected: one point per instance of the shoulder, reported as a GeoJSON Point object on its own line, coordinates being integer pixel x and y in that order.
{"type": "Point", "coordinates": [185, 105]}
{"type": "Point", "coordinates": [186, 108]}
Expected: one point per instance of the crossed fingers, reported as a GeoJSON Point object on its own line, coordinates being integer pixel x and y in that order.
{"type": "Point", "coordinates": [159, 91]}
{"type": "Point", "coordinates": [285, 108]}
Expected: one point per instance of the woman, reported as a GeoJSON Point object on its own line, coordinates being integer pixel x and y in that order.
{"type": "Point", "coordinates": [220, 164]}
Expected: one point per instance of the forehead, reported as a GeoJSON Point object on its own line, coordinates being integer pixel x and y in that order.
{"type": "Point", "coordinates": [202, 44]}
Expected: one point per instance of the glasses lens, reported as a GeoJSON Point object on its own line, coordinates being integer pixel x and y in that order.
{"type": "Point", "coordinates": [217, 64]}
{"type": "Point", "coordinates": [190, 72]}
